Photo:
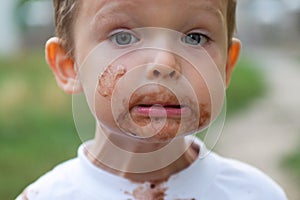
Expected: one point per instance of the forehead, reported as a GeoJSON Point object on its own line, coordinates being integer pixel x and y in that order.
{"type": "Point", "coordinates": [91, 8]}
{"type": "Point", "coordinates": [97, 4]}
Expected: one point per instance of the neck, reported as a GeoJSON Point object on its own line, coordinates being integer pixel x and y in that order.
{"type": "Point", "coordinates": [138, 160]}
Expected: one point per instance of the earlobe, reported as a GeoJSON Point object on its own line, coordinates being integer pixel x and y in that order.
{"type": "Point", "coordinates": [233, 55]}
{"type": "Point", "coordinates": [62, 66]}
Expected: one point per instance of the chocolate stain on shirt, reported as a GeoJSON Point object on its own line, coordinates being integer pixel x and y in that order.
{"type": "Point", "coordinates": [24, 195]}
{"type": "Point", "coordinates": [29, 193]}
{"type": "Point", "coordinates": [149, 191]}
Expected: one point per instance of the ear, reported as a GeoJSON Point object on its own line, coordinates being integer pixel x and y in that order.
{"type": "Point", "coordinates": [62, 66]}
{"type": "Point", "coordinates": [232, 58]}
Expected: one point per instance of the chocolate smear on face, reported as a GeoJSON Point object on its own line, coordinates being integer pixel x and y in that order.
{"type": "Point", "coordinates": [204, 115]}
{"type": "Point", "coordinates": [108, 80]}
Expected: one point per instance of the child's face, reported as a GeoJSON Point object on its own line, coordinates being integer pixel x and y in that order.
{"type": "Point", "coordinates": [154, 93]}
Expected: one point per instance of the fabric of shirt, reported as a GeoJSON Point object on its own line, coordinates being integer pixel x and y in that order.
{"type": "Point", "coordinates": [210, 178]}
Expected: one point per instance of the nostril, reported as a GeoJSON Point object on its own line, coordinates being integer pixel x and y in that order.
{"type": "Point", "coordinates": [156, 73]}
{"type": "Point", "coordinates": [172, 74]}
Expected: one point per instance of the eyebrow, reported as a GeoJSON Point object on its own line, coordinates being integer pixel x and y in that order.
{"type": "Point", "coordinates": [106, 21]}
{"type": "Point", "coordinates": [217, 13]}
{"type": "Point", "coordinates": [107, 12]}
{"type": "Point", "coordinates": [213, 10]}
{"type": "Point", "coordinates": [106, 17]}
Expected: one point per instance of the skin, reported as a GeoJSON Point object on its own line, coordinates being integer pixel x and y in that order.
{"type": "Point", "coordinates": [108, 80]}
{"type": "Point", "coordinates": [108, 16]}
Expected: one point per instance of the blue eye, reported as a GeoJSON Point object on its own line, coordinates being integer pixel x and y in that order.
{"type": "Point", "coordinates": [195, 39]}
{"type": "Point", "coordinates": [124, 38]}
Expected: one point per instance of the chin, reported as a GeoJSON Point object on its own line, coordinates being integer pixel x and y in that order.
{"type": "Point", "coordinates": [152, 132]}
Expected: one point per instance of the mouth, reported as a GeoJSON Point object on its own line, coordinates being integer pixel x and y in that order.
{"type": "Point", "coordinates": [161, 110]}
{"type": "Point", "coordinates": [158, 102]}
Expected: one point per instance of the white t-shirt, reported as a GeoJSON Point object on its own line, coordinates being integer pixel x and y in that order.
{"type": "Point", "coordinates": [211, 178]}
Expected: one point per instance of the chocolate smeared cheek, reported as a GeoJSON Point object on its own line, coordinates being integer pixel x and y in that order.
{"type": "Point", "coordinates": [109, 78]}
{"type": "Point", "coordinates": [205, 115]}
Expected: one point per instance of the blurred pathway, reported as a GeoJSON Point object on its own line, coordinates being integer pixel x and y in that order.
{"type": "Point", "coordinates": [270, 128]}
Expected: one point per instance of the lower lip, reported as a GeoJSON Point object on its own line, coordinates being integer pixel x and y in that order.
{"type": "Point", "coordinates": [162, 112]}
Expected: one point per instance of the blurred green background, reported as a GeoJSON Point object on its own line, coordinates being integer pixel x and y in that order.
{"type": "Point", "coordinates": [36, 126]}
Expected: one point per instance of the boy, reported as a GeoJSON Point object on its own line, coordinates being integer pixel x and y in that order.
{"type": "Point", "coordinates": [152, 73]}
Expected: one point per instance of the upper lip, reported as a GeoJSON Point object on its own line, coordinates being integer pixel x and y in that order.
{"type": "Point", "coordinates": [147, 97]}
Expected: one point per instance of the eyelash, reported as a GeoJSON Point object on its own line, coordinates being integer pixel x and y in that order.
{"type": "Point", "coordinates": [113, 37]}
{"type": "Point", "coordinates": [201, 37]}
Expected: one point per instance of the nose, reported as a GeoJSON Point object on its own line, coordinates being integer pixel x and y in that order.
{"type": "Point", "coordinates": [164, 66]}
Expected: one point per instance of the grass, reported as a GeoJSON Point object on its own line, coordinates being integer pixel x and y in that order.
{"type": "Point", "coordinates": [36, 125]}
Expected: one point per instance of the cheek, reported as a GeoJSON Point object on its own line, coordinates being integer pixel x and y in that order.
{"type": "Point", "coordinates": [205, 115]}
{"type": "Point", "coordinates": [109, 78]}
{"type": "Point", "coordinates": [219, 57]}
{"type": "Point", "coordinates": [204, 101]}
{"type": "Point", "coordinates": [208, 108]}
{"type": "Point", "coordinates": [107, 81]}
